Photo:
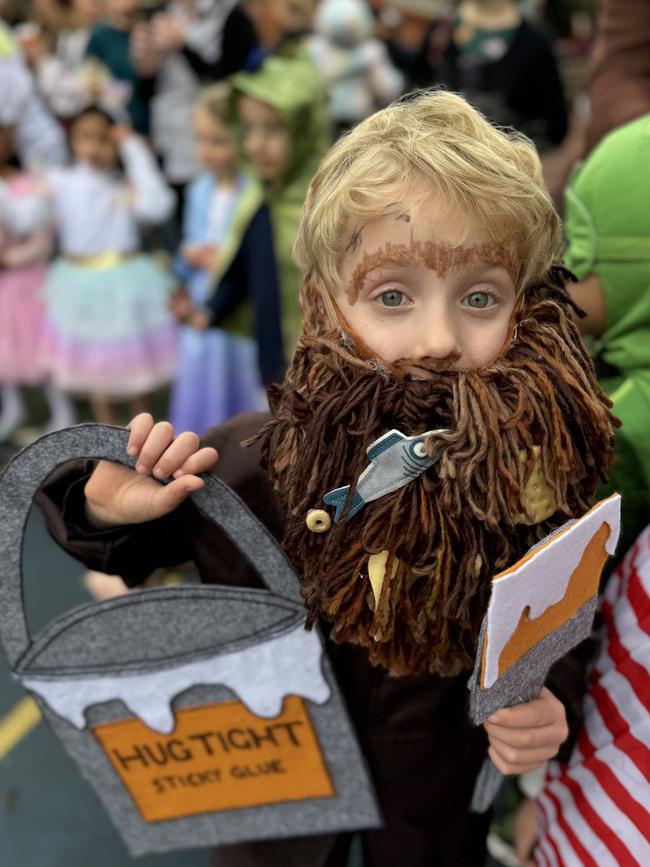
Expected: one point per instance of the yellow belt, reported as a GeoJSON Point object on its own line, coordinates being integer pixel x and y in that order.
{"type": "Point", "coordinates": [101, 260]}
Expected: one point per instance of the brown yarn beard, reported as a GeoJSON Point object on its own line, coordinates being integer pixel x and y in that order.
{"type": "Point", "coordinates": [450, 530]}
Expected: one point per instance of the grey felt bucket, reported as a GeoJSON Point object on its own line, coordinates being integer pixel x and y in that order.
{"type": "Point", "coordinates": [274, 754]}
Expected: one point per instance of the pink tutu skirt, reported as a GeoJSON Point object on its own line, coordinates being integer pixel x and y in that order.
{"type": "Point", "coordinates": [21, 325]}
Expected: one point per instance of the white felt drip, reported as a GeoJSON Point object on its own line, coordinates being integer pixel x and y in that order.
{"type": "Point", "coordinates": [543, 580]}
{"type": "Point", "coordinates": [261, 676]}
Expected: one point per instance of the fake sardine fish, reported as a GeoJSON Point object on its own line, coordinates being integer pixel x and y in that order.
{"type": "Point", "coordinates": [395, 460]}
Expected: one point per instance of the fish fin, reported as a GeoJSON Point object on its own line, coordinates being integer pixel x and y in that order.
{"type": "Point", "coordinates": [383, 443]}
{"type": "Point", "coordinates": [339, 497]}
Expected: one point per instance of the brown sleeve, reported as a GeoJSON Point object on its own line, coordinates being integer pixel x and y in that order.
{"type": "Point", "coordinates": [134, 551]}
{"type": "Point", "coordinates": [619, 90]}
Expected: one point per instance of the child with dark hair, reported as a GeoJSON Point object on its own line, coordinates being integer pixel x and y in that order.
{"type": "Point", "coordinates": [439, 349]}
{"type": "Point", "coordinates": [109, 335]}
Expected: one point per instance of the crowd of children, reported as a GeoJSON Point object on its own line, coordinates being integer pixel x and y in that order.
{"type": "Point", "coordinates": [168, 214]}
{"type": "Point", "coordinates": [195, 235]}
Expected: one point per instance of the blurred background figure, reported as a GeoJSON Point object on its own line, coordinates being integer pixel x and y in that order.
{"type": "Point", "coordinates": [503, 63]}
{"type": "Point", "coordinates": [284, 130]}
{"type": "Point", "coordinates": [26, 244]}
{"type": "Point", "coordinates": [112, 44]}
{"type": "Point", "coordinates": [38, 138]}
{"type": "Point", "coordinates": [188, 43]}
{"type": "Point", "coordinates": [54, 44]}
{"type": "Point", "coordinates": [355, 66]}
{"type": "Point", "coordinates": [227, 265]}
{"type": "Point", "coordinates": [108, 333]}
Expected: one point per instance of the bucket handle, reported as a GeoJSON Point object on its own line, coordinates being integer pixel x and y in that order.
{"type": "Point", "coordinates": [29, 469]}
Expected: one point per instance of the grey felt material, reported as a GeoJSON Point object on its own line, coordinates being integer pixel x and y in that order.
{"type": "Point", "coordinates": [150, 630]}
{"type": "Point", "coordinates": [203, 619]}
{"type": "Point", "coordinates": [260, 673]}
{"type": "Point", "coordinates": [522, 682]}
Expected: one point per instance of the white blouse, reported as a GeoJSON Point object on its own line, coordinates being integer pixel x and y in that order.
{"type": "Point", "coordinates": [99, 211]}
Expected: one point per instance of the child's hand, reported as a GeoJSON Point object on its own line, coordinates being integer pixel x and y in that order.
{"type": "Point", "coordinates": [201, 255]}
{"type": "Point", "coordinates": [523, 737]}
{"type": "Point", "coordinates": [145, 57]}
{"type": "Point", "coordinates": [117, 495]}
{"type": "Point", "coordinates": [168, 33]}
{"type": "Point", "coordinates": [180, 305]}
{"type": "Point", "coordinates": [120, 132]}
{"type": "Point", "coordinates": [199, 319]}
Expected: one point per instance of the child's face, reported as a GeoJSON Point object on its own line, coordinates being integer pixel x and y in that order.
{"type": "Point", "coordinates": [213, 143]}
{"type": "Point", "coordinates": [92, 142]}
{"type": "Point", "coordinates": [419, 284]}
{"type": "Point", "coordinates": [266, 141]}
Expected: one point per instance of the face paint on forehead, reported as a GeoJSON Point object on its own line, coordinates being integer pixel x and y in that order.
{"type": "Point", "coordinates": [439, 257]}
{"type": "Point", "coordinates": [355, 241]}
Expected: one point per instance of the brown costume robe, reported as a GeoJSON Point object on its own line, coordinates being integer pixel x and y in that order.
{"type": "Point", "coordinates": [422, 751]}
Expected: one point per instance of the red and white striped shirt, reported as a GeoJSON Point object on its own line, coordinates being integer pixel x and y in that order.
{"type": "Point", "coordinates": [595, 810]}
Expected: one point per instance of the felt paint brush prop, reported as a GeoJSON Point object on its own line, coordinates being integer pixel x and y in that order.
{"type": "Point", "coordinates": [185, 708]}
{"type": "Point", "coordinates": [539, 609]}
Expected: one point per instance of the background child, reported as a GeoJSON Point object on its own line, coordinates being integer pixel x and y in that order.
{"type": "Point", "coordinates": [284, 129]}
{"type": "Point", "coordinates": [356, 68]}
{"type": "Point", "coordinates": [609, 251]}
{"type": "Point", "coordinates": [110, 43]}
{"type": "Point", "coordinates": [109, 334]}
{"type": "Point", "coordinates": [226, 261]}
{"type": "Point", "coordinates": [26, 245]}
{"type": "Point", "coordinates": [441, 276]}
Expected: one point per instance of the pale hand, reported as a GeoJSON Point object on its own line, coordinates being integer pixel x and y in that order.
{"type": "Point", "coordinates": [180, 305]}
{"type": "Point", "coordinates": [145, 57]}
{"type": "Point", "coordinates": [117, 495]}
{"type": "Point", "coordinates": [525, 736]}
{"type": "Point", "coordinates": [203, 256]}
{"type": "Point", "coordinates": [168, 34]}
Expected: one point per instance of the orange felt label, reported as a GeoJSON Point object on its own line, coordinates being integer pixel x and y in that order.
{"type": "Point", "coordinates": [219, 757]}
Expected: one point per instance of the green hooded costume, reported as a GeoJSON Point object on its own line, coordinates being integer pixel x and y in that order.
{"type": "Point", "coordinates": [608, 227]}
{"type": "Point", "coordinates": [292, 86]}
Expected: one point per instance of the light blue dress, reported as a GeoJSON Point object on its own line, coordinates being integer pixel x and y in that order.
{"type": "Point", "coordinates": [218, 373]}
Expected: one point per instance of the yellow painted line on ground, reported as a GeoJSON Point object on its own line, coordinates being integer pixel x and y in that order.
{"type": "Point", "coordinates": [17, 724]}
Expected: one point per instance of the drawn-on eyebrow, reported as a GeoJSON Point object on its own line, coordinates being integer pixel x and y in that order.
{"type": "Point", "coordinates": [439, 257]}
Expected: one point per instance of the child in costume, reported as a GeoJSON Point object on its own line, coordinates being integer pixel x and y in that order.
{"type": "Point", "coordinates": [228, 267]}
{"type": "Point", "coordinates": [109, 334]}
{"type": "Point", "coordinates": [26, 244]}
{"type": "Point", "coordinates": [282, 113]}
{"type": "Point", "coordinates": [434, 310]}
{"type": "Point", "coordinates": [609, 251]}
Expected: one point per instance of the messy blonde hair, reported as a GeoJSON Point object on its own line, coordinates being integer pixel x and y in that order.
{"type": "Point", "coordinates": [214, 100]}
{"type": "Point", "coordinates": [491, 175]}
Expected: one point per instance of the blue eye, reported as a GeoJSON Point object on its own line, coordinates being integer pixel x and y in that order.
{"type": "Point", "coordinates": [392, 298]}
{"type": "Point", "coordinates": [478, 300]}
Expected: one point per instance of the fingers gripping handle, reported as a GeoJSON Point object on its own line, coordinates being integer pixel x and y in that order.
{"type": "Point", "coordinates": [33, 465]}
